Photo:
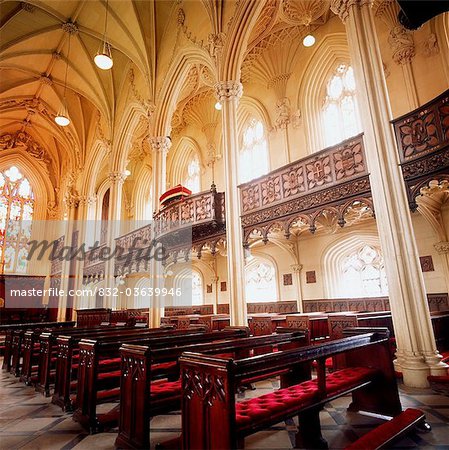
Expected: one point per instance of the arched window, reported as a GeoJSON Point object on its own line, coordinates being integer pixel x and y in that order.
{"type": "Point", "coordinates": [16, 215]}
{"type": "Point", "coordinates": [260, 281]}
{"type": "Point", "coordinates": [363, 273]}
{"type": "Point", "coordinates": [254, 158]}
{"type": "Point", "coordinates": [192, 180]}
{"type": "Point", "coordinates": [197, 289]}
{"type": "Point", "coordinates": [340, 114]}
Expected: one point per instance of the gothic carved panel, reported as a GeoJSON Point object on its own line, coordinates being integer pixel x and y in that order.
{"type": "Point", "coordinates": [424, 130]}
{"type": "Point", "coordinates": [298, 180]}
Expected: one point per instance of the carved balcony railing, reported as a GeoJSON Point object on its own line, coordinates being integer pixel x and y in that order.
{"type": "Point", "coordinates": [194, 219]}
{"type": "Point", "coordinates": [94, 264]}
{"type": "Point", "coordinates": [333, 179]}
{"type": "Point", "coordinates": [183, 226]}
{"type": "Point", "coordinates": [423, 142]}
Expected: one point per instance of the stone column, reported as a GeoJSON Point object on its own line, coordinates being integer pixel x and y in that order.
{"type": "Point", "coordinates": [72, 202]}
{"type": "Point", "coordinates": [417, 355]}
{"type": "Point", "coordinates": [116, 179]}
{"type": "Point", "coordinates": [229, 93]}
{"type": "Point", "coordinates": [160, 146]}
{"type": "Point", "coordinates": [297, 271]}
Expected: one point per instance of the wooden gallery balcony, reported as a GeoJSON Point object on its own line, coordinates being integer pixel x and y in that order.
{"type": "Point", "coordinates": [332, 181]}
{"type": "Point", "coordinates": [94, 265]}
{"type": "Point", "coordinates": [423, 142]}
{"type": "Point", "coordinates": [189, 225]}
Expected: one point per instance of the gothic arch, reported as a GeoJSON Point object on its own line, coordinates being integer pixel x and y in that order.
{"type": "Point", "coordinates": [329, 52]}
{"type": "Point", "coordinates": [44, 192]}
{"type": "Point", "coordinates": [187, 147]}
{"type": "Point", "coordinates": [333, 254]}
{"type": "Point", "coordinates": [249, 106]}
{"type": "Point", "coordinates": [173, 84]}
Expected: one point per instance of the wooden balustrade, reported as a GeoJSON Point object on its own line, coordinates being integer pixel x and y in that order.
{"type": "Point", "coordinates": [335, 178]}
{"type": "Point", "coordinates": [423, 142]}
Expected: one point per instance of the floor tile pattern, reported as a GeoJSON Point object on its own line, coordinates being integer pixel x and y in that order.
{"type": "Point", "coordinates": [29, 421]}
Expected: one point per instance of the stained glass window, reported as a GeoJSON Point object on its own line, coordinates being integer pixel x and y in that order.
{"type": "Point", "coordinates": [260, 282]}
{"type": "Point", "coordinates": [363, 273]}
{"type": "Point", "coordinates": [192, 180]}
{"type": "Point", "coordinates": [340, 114]}
{"type": "Point", "coordinates": [254, 158]}
{"type": "Point", "coordinates": [16, 215]}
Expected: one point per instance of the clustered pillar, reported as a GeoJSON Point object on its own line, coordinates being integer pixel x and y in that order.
{"type": "Point", "coordinates": [417, 355]}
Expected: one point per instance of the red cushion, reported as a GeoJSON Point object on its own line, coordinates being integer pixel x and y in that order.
{"type": "Point", "coordinates": [162, 389]}
{"type": "Point", "coordinates": [174, 193]}
{"type": "Point", "coordinates": [288, 400]}
{"type": "Point", "coordinates": [108, 375]}
{"type": "Point", "coordinates": [164, 366]}
{"type": "Point", "coordinates": [388, 430]}
{"type": "Point", "coordinates": [439, 378]}
{"type": "Point", "coordinates": [108, 394]}
{"type": "Point", "coordinates": [110, 361]}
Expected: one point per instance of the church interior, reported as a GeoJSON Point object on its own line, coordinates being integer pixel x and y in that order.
{"type": "Point", "coordinates": [224, 224]}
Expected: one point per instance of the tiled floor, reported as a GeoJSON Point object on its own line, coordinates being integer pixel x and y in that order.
{"type": "Point", "coordinates": [30, 421]}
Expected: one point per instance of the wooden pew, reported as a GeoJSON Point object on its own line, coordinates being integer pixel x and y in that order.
{"type": "Point", "coordinates": [47, 358]}
{"type": "Point", "coordinates": [34, 349]}
{"type": "Point", "coordinates": [99, 383]}
{"type": "Point", "coordinates": [316, 323]}
{"type": "Point", "coordinates": [384, 435]}
{"type": "Point", "coordinates": [67, 358]}
{"type": "Point", "coordinates": [212, 419]}
{"type": "Point", "coordinates": [13, 345]}
{"type": "Point", "coordinates": [141, 399]}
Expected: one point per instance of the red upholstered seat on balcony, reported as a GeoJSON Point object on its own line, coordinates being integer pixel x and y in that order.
{"type": "Point", "coordinates": [176, 193]}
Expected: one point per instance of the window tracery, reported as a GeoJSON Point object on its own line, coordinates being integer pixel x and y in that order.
{"type": "Point", "coordinates": [16, 215]}
{"type": "Point", "coordinates": [340, 113]}
{"type": "Point", "coordinates": [254, 157]}
{"type": "Point", "coordinates": [363, 273]}
{"type": "Point", "coordinates": [260, 282]}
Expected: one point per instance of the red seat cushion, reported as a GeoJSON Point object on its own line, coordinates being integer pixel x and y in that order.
{"type": "Point", "coordinates": [164, 366]}
{"type": "Point", "coordinates": [387, 431]}
{"type": "Point", "coordinates": [439, 378]}
{"type": "Point", "coordinates": [288, 400]}
{"type": "Point", "coordinates": [108, 375]}
{"type": "Point", "coordinates": [110, 361]}
{"type": "Point", "coordinates": [108, 394]}
{"type": "Point", "coordinates": [162, 389]}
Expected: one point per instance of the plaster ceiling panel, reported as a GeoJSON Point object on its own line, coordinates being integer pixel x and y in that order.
{"type": "Point", "coordinates": [46, 41]}
{"type": "Point", "coordinates": [31, 65]}
{"type": "Point", "coordinates": [121, 19]}
{"type": "Point", "coordinates": [58, 8]}
{"type": "Point", "coordinates": [25, 24]}
{"type": "Point", "coordinates": [23, 90]}
{"type": "Point", "coordinates": [12, 121]}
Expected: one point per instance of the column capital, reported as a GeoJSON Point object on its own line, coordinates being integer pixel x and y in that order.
{"type": "Point", "coordinates": [117, 177]}
{"type": "Point", "coordinates": [442, 247]}
{"type": "Point", "coordinates": [160, 143]}
{"type": "Point", "coordinates": [228, 90]}
{"type": "Point", "coordinates": [401, 42]}
{"type": "Point", "coordinates": [341, 8]}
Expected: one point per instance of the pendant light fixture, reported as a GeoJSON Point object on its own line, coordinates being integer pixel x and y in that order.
{"type": "Point", "coordinates": [103, 59]}
{"type": "Point", "coordinates": [62, 118]}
